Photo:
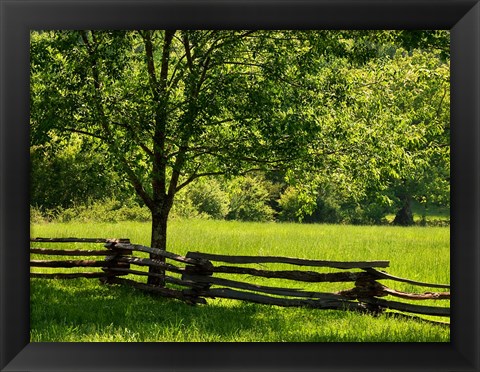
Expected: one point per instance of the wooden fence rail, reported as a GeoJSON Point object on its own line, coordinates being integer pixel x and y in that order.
{"type": "Point", "coordinates": [195, 278]}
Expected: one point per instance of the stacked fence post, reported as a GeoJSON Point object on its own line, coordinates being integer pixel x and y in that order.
{"type": "Point", "coordinates": [112, 261]}
{"type": "Point", "coordinates": [203, 268]}
{"type": "Point", "coordinates": [366, 287]}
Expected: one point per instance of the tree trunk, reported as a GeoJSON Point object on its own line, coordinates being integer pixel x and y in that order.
{"type": "Point", "coordinates": [158, 240]}
{"type": "Point", "coordinates": [404, 216]}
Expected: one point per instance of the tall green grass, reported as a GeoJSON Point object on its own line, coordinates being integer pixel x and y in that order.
{"type": "Point", "coordinates": [84, 310]}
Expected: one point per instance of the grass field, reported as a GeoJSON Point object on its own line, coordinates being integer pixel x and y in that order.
{"type": "Point", "coordinates": [83, 310]}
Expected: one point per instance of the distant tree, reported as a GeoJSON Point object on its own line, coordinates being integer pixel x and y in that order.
{"type": "Point", "coordinates": [414, 104]}
{"type": "Point", "coordinates": [387, 137]}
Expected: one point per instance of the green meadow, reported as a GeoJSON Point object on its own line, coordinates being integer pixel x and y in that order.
{"type": "Point", "coordinates": [83, 310]}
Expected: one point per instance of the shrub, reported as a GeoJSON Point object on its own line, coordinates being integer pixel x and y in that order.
{"type": "Point", "coordinates": [37, 216]}
{"type": "Point", "coordinates": [134, 213]}
{"type": "Point", "coordinates": [248, 200]}
{"type": "Point", "coordinates": [183, 207]}
{"type": "Point", "coordinates": [370, 211]}
{"type": "Point", "coordinates": [326, 210]}
{"type": "Point", "coordinates": [302, 207]}
{"type": "Point", "coordinates": [68, 173]}
{"type": "Point", "coordinates": [291, 205]}
{"type": "Point", "coordinates": [208, 198]}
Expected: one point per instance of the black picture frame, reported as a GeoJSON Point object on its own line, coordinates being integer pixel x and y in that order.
{"type": "Point", "coordinates": [18, 17]}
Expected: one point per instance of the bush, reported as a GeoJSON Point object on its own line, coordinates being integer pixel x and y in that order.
{"type": "Point", "coordinates": [302, 207]}
{"type": "Point", "coordinates": [326, 211]}
{"type": "Point", "coordinates": [208, 198]}
{"type": "Point", "coordinates": [291, 206]}
{"type": "Point", "coordinates": [36, 215]}
{"type": "Point", "coordinates": [366, 212]}
{"type": "Point", "coordinates": [134, 213]}
{"type": "Point", "coordinates": [248, 200]}
{"type": "Point", "coordinates": [183, 208]}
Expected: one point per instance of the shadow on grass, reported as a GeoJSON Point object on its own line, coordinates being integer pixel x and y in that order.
{"type": "Point", "coordinates": [78, 306]}
{"type": "Point", "coordinates": [83, 310]}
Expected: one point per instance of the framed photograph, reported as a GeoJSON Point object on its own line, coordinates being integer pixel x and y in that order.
{"type": "Point", "coordinates": [19, 18]}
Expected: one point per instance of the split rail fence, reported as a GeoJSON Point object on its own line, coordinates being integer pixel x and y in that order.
{"type": "Point", "coordinates": [193, 278]}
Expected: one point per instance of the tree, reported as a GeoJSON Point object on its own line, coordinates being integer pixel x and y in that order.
{"type": "Point", "coordinates": [173, 106]}
{"type": "Point", "coordinates": [412, 101]}
{"type": "Point", "coordinates": [386, 129]}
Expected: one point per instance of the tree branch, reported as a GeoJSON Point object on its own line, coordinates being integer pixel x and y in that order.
{"type": "Point", "coordinates": [220, 42]}
{"type": "Point", "coordinates": [165, 58]}
{"type": "Point", "coordinates": [194, 176]}
{"type": "Point", "coordinates": [186, 44]}
{"type": "Point", "coordinates": [133, 132]}
{"type": "Point", "coordinates": [441, 102]}
{"type": "Point", "coordinates": [85, 133]}
{"type": "Point", "coordinates": [152, 78]}
{"type": "Point", "coordinates": [206, 66]}
{"type": "Point", "coordinates": [174, 79]}
{"type": "Point", "coordinates": [179, 161]}
{"type": "Point", "coordinates": [249, 64]}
